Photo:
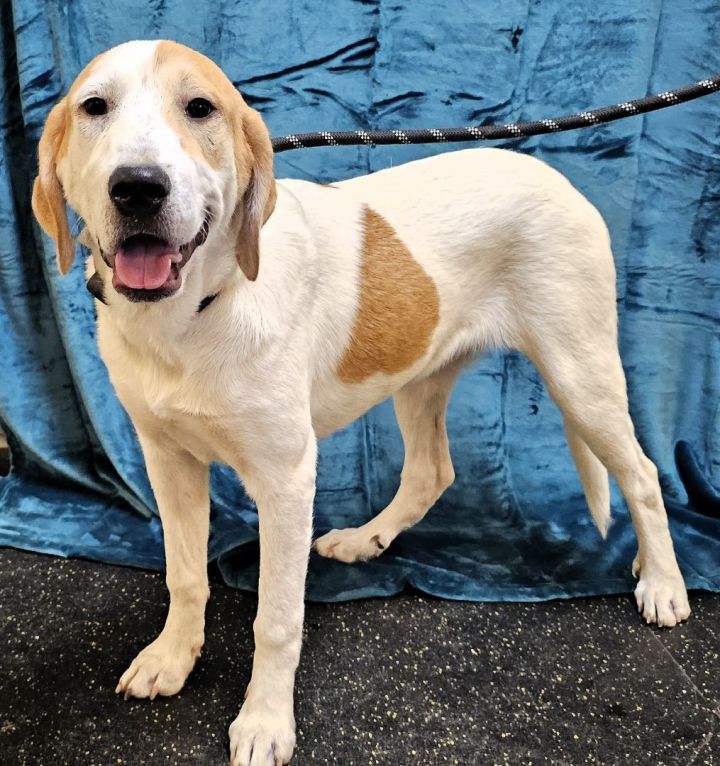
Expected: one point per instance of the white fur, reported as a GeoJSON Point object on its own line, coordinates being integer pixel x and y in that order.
{"type": "Point", "coordinates": [519, 258]}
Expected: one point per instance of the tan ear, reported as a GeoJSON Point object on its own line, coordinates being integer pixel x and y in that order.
{"type": "Point", "coordinates": [253, 153]}
{"type": "Point", "coordinates": [48, 201]}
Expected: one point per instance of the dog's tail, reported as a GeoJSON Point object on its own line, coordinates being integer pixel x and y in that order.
{"type": "Point", "coordinates": [594, 478]}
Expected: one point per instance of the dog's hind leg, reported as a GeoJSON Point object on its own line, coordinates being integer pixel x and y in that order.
{"type": "Point", "coordinates": [585, 377]}
{"type": "Point", "coordinates": [427, 471]}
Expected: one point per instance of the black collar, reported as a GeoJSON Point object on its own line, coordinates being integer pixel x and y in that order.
{"type": "Point", "coordinates": [206, 301]}
{"type": "Point", "coordinates": [96, 288]}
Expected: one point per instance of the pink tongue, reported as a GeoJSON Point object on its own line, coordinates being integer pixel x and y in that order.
{"type": "Point", "coordinates": [144, 265]}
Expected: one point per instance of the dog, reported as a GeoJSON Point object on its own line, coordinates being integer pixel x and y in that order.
{"type": "Point", "coordinates": [242, 318]}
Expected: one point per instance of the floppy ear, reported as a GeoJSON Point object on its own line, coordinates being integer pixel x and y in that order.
{"type": "Point", "coordinates": [48, 201]}
{"type": "Point", "coordinates": [258, 201]}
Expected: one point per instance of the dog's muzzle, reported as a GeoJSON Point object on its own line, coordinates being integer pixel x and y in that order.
{"type": "Point", "coordinates": [148, 268]}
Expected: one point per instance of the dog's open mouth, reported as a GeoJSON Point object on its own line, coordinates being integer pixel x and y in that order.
{"type": "Point", "coordinates": [148, 268]}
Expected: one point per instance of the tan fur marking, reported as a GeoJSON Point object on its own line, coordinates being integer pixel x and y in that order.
{"type": "Point", "coordinates": [85, 73]}
{"type": "Point", "coordinates": [253, 154]}
{"type": "Point", "coordinates": [48, 199]}
{"type": "Point", "coordinates": [399, 306]}
{"type": "Point", "coordinates": [181, 70]}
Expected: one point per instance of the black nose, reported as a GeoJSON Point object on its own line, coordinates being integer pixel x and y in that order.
{"type": "Point", "coordinates": [138, 189]}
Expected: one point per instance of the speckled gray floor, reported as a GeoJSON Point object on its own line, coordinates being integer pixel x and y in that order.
{"type": "Point", "coordinates": [408, 680]}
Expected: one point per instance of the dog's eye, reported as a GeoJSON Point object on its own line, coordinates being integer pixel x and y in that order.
{"type": "Point", "coordinates": [95, 106]}
{"type": "Point", "coordinates": [199, 108]}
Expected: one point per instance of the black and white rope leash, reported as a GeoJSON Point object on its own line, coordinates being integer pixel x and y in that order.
{"type": "Point", "coordinates": [492, 132]}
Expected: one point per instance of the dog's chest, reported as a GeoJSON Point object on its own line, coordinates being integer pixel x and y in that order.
{"type": "Point", "coordinates": [192, 412]}
{"type": "Point", "coordinates": [182, 396]}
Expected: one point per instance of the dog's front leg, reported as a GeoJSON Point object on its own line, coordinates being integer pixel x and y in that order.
{"type": "Point", "coordinates": [282, 483]}
{"type": "Point", "coordinates": [180, 484]}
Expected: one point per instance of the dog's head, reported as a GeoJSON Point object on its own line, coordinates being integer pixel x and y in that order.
{"type": "Point", "coordinates": [158, 153]}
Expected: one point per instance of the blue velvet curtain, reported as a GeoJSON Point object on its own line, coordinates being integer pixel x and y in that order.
{"type": "Point", "coordinates": [514, 525]}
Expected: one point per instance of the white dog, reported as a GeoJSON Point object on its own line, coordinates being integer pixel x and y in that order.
{"type": "Point", "coordinates": [242, 318]}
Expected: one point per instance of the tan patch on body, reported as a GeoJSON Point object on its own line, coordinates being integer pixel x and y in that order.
{"type": "Point", "coordinates": [399, 306]}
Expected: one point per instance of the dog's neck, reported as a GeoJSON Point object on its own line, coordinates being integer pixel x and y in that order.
{"type": "Point", "coordinates": [161, 327]}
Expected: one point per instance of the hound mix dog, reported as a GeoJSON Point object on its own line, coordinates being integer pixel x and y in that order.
{"type": "Point", "coordinates": [242, 318]}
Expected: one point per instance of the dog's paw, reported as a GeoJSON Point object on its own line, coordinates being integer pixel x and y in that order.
{"type": "Point", "coordinates": [661, 597]}
{"type": "Point", "coordinates": [261, 736]}
{"type": "Point", "coordinates": [350, 545]}
{"type": "Point", "coordinates": [161, 668]}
